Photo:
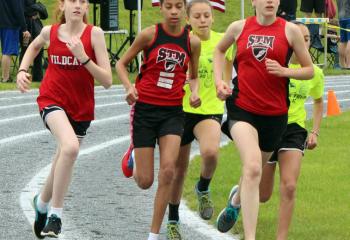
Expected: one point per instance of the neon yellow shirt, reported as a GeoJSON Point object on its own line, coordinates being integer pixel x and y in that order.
{"type": "Point", "coordinates": [299, 91]}
{"type": "Point", "coordinates": [207, 90]}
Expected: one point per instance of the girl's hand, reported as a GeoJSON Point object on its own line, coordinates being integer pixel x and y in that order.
{"type": "Point", "coordinates": [77, 48]}
{"type": "Point", "coordinates": [195, 101]}
{"type": "Point", "coordinates": [312, 141]}
{"type": "Point", "coordinates": [274, 68]}
{"type": "Point", "coordinates": [131, 95]}
{"type": "Point", "coordinates": [23, 81]}
{"type": "Point", "coordinates": [223, 91]}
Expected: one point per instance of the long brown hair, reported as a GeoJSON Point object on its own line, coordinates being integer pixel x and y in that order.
{"type": "Point", "coordinates": [59, 15]}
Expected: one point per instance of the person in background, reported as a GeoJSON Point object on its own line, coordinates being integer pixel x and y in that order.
{"type": "Point", "coordinates": [12, 23]}
{"type": "Point", "coordinates": [344, 22]}
{"type": "Point", "coordinates": [287, 9]}
{"type": "Point", "coordinates": [295, 139]}
{"type": "Point", "coordinates": [308, 7]}
{"type": "Point", "coordinates": [33, 12]}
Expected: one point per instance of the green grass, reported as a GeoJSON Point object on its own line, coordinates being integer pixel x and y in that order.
{"type": "Point", "coordinates": [151, 15]}
{"type": "Point", "coordinates": [323, 193]}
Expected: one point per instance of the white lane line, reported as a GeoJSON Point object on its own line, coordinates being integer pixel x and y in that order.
{"type": "Point", "coordinates": [338, 86]}
{"type": "Point", "coordinates": [25, 136]}
{"type": "Point", "coordinates": [98, 88]}
{"type": "Point", "coordinates": [34, 104]}
{"type": "Point", "coordinates": [38, 180]}
{"type": "Point", "coordinates": [7, 120]}
{"type": "Point", "coordinates": [191, 219]}
{"type": "Point", "coordinates": [105, 95]}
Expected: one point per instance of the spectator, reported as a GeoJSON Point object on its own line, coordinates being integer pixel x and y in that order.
{"type": "Point", "coordinates": [308, 7]}
{"type": "Point", "coordinates": [11, 22]}
{"type": "Point", "coordinates": [344, 22]}
{"type": "Point", "coordinates": [287, 9]}
{"type": "Point", "coordinates": [33, 12]}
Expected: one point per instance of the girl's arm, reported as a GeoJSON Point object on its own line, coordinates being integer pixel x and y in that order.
{"type": "Point", "coordinates": [317, 118]}
{"type": "Point", "coordinates": [296, 41]}
{"type": "Point", "coordinates": [231, 34]}
{"type": "Point", "coordinates": [193, 71]}
{"type": "Point", "coordinates": [101, 70]}
{"type": "Point", "coordinates": [142, 41]}
{"type": "Point", "coordinates": [23, 78]}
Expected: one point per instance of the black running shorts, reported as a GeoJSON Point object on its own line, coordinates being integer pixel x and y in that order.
{"type": "Point", "coordinates": [294, 139]}
{"type": "Point", "coordinates": [309, 6]}
{"type": "Point", "coordinates": [191, 120]}
{"type": "Point", "coordinates": [269, 128]}
{"type": "Point", "coordinates": [79, 127]}
{"type": "Point", "coordinates": [152, 122]}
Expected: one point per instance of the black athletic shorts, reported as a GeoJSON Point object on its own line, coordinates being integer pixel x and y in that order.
{"type": "Point", "coordinates": [294, 138]}
{"type": "Point", "coordinates": [309, 6]}
{"type": "Point", "coordinates": [79, 127]}
{"type": "Point", "coordinates": [269, 128]}
{"type": "Point", "coordinates": [152, 122]}
{"type": "Point", "coordinates": [191, 120]}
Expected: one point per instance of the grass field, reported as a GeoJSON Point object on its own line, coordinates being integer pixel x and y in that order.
{"type": "Point", "coordinates": [322, 206]}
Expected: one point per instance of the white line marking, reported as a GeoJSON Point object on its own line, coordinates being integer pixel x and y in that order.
{"type": "Point", "coordinates": [35, 104]}
{"type": "Point", "coordinates": [38, 180]}
{"type": "Point", "coordinates": [7, 120]}
{"type": "Point", "coordinates": [25, 136]}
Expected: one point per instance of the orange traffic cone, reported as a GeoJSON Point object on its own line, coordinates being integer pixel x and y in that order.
{"type": "Point", "coordinates": [333, 108]}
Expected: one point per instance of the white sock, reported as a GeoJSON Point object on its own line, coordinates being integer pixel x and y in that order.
{"type": "Point", "coordinates": [133, 158]}
{"type": "Point", "coordinates": [41, 205]}
{"type": "Point", "coordinates": [233, 202]}
{"type": "Point", "coordinates": [56, 211]}
{"type": "Point", "coordinates": [153, 236]}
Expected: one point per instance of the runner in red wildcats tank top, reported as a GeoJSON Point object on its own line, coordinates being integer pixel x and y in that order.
{"type": "Point", "coordinates": [258, 91]}
{"type": "Point", "coordinates": [163, 73]}
{"type": "Point", "coordinates": [67, 83]}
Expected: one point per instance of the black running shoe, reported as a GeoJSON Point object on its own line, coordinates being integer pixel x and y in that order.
{"type": "Point", "coordinates": [53, 227]}
{"type": "Point", "coordinates": [40, 219]}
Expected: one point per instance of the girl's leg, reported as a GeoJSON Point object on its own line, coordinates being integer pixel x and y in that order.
{"type": "Point", "coordinates": [208, 135]}
{"type": "Point", "coordinates": [46, 193]}
{"type": "Point", "coordinates": [245, 137]}
{"type": "Point", "coordinates": [143, 170]}
{"type": "Point", "coordinates": [180, 173]}
{"type": "Point", "coordinates": [342, 54]}
{"type": "Point", "coordinates": [267, 181]}
{"type": "Point", "coordinates": [289, 163]}
{"type": "Point", "coordinates": [68, 146]}
{"type": "Point", "coordinates": [169, 146]}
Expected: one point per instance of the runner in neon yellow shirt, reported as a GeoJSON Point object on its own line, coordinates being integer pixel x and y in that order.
{"type": "Point", "coordinates": [291, 148]}
{"type": "Point", "coordinates": [202, 123]}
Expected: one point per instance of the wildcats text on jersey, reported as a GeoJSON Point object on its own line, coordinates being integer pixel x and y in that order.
{"type": "Point", "coordinates": [171, 58]}
{"type": "Point", "coordinates": [260, 44]}
{"type": "Point", "coordinates": [65, 62]}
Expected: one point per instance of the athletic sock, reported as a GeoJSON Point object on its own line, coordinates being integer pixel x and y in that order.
{"type": "Point", "coordinates": [153, 236]}
{"type": "Point", "coordinates": [56, 211]}
{"type": "Point", "coordinates": [173, 212]}
{"type": "Point", "coordinates": [203, 184]}
{"type": "Point", "coordinates": [41, 205]}
{"type": "Point", "coordinates": [233, 203]}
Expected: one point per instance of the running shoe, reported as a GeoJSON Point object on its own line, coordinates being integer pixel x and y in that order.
{"type": "Point", "coordinates": [40, 219]}
{"type": "Point", "coordinates": [229, 215]}
{"type": "Point", "coordinates": [128, 162]}
{"type": "Point", "coordinates": [53, 227]}
{"type": "Point", "coordinates": [173, 230]}
{"type": "Point", "coordinates": [205, 205]}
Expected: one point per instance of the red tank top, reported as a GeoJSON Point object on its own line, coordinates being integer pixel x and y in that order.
{"type": "Point", "coordinates": [163, 72]}
{"type": "Point", "coordinates": [255, 89]}
{"type": "Point", "coordinates": [67, 83]}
